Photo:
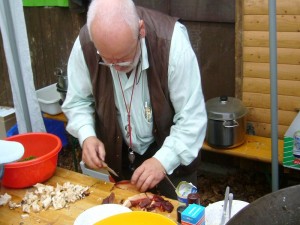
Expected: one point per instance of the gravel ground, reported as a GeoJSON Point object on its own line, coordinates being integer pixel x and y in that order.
{"type": "Point", "coordinates": [245, 185]}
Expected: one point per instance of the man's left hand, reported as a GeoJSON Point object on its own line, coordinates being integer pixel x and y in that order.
{"type": "Point", "coordinates": [148, 175]}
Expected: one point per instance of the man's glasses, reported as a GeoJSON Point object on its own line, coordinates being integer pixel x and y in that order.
{"type": "Point", "coordinates": [120, 64]}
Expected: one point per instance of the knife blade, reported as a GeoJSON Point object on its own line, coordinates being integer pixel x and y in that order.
{"type": "Point", "coordinates": [225, 206]}
{"type": "Point", "coordinates": [109, 169]}
{"type": "Point", "coordinates": [170, 182]}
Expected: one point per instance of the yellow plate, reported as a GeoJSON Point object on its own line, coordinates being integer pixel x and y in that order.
{"type": "Point", "coordinates": [136, 218]}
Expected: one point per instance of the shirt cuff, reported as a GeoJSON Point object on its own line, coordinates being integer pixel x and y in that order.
{"type": "Point", "coordinates": [85, 132]}
{"type": "Point", "coordinates": [168, 159]}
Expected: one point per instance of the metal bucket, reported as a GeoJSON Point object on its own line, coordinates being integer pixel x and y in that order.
{"type": "Point", "coordinates": [280, 207]}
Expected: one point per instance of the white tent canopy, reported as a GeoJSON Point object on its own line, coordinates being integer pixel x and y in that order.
{"type": "Point", "coordinates": [15, 42]}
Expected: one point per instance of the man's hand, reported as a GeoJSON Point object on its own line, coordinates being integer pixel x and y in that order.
{"type": "Point", "coordinates": [93, 152]}
{"type": "Point", "coordinates": [149, 174]}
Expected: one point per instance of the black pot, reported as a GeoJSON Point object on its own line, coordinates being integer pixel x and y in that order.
{"type": "Point", "coordinates": [279, 207]}
{"type": "Point", "coordinates": [226, 127]}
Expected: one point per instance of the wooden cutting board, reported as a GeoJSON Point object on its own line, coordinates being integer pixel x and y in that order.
{"type": "Point", "coordinates": [98, 191]}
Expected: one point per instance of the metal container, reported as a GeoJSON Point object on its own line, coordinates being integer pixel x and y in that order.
{"type": "Point", "coordinates": [62, 83]}
{"type": "Point", "coordinates": [62, 79]}
{"type": "Point", "coordinates": [226, 127]}
{"type": "Point", "coordinates": [279, 207]}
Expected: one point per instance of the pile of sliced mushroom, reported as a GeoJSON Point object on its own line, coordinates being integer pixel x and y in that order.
{"type": "Point", "coordinates": [45, 196]}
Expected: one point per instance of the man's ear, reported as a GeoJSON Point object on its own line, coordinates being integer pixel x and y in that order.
{"type": "Point", "coordinates": [142, 30]}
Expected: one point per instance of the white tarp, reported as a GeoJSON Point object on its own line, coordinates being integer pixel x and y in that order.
{"type": "Point", "coordinates": [15, 43]}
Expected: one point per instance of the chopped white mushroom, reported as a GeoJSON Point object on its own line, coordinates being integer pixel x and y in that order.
{"type": "Point", "coordinates": [47, 202]}
{"type": "Point", "coordinates": [13, 205]}
{"type": "Point", "coordinates": [35, 206]}
{"type": "Point", "coordinates": [4, 199]}
{"type": "Point", "coordinates": [45, 196]}
{"type": "Point", "coordinates": [26, 208]}
{"type": "Point", "coordinates": [23, 216]}
{"type": "Point", "coordinates": [58, 202]}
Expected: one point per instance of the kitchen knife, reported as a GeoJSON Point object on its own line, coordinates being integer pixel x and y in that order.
{"type": "Point", "coordinates": [109, 169]}
{"type": "Point", "coordinates": [170, 182]}
{"type": "Point", "coordinates": [105, 166]}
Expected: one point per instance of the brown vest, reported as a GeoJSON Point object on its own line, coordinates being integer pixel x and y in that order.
{"type": "Point", "coordinates": [159, 30]}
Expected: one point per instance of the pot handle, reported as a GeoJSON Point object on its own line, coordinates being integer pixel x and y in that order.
{"type": "Point", "coordinates": [229, 124]}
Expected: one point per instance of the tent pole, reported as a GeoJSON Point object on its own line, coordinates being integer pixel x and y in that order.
{"type": "Point", "coordinates": [274, 100]}
{"type": "Point", "coordinates": [15, 55]}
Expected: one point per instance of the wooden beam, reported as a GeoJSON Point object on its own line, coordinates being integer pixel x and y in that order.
{"type": "Point", "coordinates": [261, 39]}
{"type": "Point", "coordinates": [285, 23]}
{"type": "Point", "coordinates": [259, 100]}
{"type": "Point", "coordinates": [283, 7]}
{"type": "Point", "coordinates": [262, 70]}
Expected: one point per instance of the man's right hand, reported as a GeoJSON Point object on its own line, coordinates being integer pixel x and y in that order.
{"type": "Point", "coordinates": [93, 152]}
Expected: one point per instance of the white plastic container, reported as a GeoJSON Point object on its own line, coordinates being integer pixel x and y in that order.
{"type": "Point", "coordinates": [48, 98]}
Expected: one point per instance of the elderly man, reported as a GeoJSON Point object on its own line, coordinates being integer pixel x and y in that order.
{"type": "Point", "coordinates": [134, 96]}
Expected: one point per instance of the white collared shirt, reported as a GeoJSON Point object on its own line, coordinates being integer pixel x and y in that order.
{"type": "Point", "coordinates": [141, 133]}
{"type": "Point", "coordinates": [184, 81]}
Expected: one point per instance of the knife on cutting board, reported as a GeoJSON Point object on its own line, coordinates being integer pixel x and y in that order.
{"type": "Point", "coordinates": [101, 173]}
{"type": "Point", "coordinates": [109, 169]}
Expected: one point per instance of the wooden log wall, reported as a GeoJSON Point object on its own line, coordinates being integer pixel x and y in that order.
{"type": "Point", "coordinates": [253, 69]}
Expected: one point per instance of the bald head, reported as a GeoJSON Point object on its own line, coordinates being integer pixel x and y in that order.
{"type": "Point", "coordinates": [112, 18]}
{"type": "Point", "coordinates": [114, 27]}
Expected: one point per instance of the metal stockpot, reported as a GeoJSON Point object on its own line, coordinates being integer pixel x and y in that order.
{"type": "Point", "coordinates": [279, 207]}
{"type": "Point", "coordinates": [226, 127]}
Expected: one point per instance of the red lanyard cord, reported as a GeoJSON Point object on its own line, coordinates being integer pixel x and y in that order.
{"type": "Point", "coordinates": [128, 108]}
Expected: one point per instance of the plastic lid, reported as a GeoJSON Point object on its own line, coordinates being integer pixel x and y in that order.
{"type": "Point", "coordinates": [225, 108]}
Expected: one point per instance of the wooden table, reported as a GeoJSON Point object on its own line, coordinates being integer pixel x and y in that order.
{"type": "Point", "coordinates": [98, 190]}
{"type": "Point", "coordinates": [254, 148]}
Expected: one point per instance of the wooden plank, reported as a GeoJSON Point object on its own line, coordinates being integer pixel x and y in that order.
{"type": "Point", "coordinates": [259, 85]}
{"type": "Point", "coordinates": [261, 7]}
{"type": "Point", "coordinates": [264, 129]}
{"type": "Point", "coordinates": [159, 5]}
{"type": "Point", "coordinates": [5, 88]}
{"type": "Point", "coordinates": [36, 42]}
{"type": "Point", "coordinates": [255, 148]}
{"type": "Point", "coordinates": [204, 10]}
{"type": "Point", "coordinates": [46, 16]}
{"type": "Point", "coordinates": [61, 34]}
{"type": "Point", "coordinates": [259, 100]}
{"type": "Point", "coordinates": [285, 23]}
{"type": "Point", "coordinates": [222, 11]}
{"type": "Point", "coordinates": [261, 55]}
{"type": "Point", "coordinates": [263, 115]}
{"type": "Point", "coordinates": [261, 39]}
{"type": "Point", "coordinates": [239, 49]}
{"type": "Point", "coordinates": [262, 70]}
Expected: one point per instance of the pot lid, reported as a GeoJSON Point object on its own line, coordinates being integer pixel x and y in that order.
{"type": "Point", "coordinates": [225, 108]}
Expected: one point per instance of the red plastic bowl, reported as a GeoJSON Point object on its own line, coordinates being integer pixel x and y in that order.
{"type": "Point", "coordinates": [45, 147]}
